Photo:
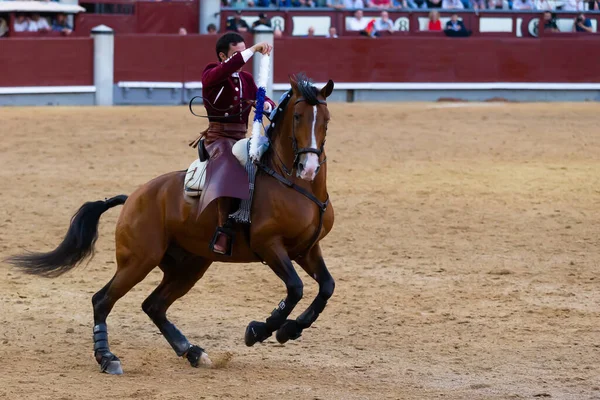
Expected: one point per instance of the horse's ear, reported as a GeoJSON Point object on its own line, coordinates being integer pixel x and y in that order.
{"type": "Point", "coordinates": [294, 83]}
{"type": "Point", "coordinates": [327, 89]}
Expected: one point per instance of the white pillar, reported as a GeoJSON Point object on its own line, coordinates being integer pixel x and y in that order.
{"type": "Point", "coordinates": [210, 13]}
{"type": "Point", "coordinates": [264, 34]}
{"type": "Point", "coordinates": [104, 57]}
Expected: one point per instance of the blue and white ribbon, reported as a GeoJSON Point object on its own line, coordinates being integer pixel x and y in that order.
{"type": "Point", "coordinates": [258, 142]}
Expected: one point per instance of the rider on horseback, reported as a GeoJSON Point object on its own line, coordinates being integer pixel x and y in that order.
{"type": "Point", "coordinates": [228, 93]}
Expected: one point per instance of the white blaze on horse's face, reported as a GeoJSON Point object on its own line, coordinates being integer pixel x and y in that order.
{"type": "Point", "coordinates": [310, 161]}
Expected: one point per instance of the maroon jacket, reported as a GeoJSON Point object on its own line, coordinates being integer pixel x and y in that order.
{"type": "Point", "coordinates": [226, 92]}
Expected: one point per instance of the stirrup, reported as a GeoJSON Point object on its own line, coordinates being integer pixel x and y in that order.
{"type": "Point", "coordinates": [227, 231]}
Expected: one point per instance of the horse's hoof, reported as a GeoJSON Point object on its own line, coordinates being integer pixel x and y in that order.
{"type": "Point", "coordinates": [197, 357]}
{"type": "Point", "coordinates": [111, 364]}
{"type": "Point", "coordinates": [288, 331]}
{"type": "Point", "coordinates": [256, 332]}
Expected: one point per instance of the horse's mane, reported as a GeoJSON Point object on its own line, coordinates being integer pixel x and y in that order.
{"type": "Point", "coordinates": [308, 91]}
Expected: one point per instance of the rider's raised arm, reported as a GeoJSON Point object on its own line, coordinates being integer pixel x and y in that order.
{"type": "Point", "coordinates": [215, 74]}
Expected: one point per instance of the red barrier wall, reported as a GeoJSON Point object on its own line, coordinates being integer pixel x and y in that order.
{"type": "Point", "coordinates": [46, 62]}
{"type": "Point", "coordinates": [164, 58]}
{"type": "Point", "coordinates": [153, 17]}
{"type": "Point", "coordinates": [119, 23]}
{"type": "Point", "coordinates": [426, 59]}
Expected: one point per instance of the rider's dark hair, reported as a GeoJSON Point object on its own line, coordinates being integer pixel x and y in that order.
{"type": "Point", "coordinates": [228, 39]}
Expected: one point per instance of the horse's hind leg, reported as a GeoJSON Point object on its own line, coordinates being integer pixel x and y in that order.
{"type": "Point", "coordinates": [314, 265]}
{"type": "Point", "coordinates": [179, 277]}
{"type": "Point", "coordinates": [281, 264]}
{"type": "Point", "coordinates": [131, 270]}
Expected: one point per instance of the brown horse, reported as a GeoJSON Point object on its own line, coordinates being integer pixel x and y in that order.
{"type": "Point", "coordinates": [160, 225]}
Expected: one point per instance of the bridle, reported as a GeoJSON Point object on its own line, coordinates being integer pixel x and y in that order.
{"type": "Point", "coordinates": [299, 151]}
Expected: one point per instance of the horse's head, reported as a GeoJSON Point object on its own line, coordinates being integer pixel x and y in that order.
{"type": "Point", "coordinates": [309, 125]}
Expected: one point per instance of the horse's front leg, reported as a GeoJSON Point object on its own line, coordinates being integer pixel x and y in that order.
{"type": "Point", "coordinates": [278, 260]}
{"type": "Point", "coordinates": [314, 266]}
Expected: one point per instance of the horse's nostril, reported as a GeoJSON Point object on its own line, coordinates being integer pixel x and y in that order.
{"type": "Point", "coordinates": [300, 166]}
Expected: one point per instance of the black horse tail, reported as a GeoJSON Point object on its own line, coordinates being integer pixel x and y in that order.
{"type": "Point", "coordinates": [77, 245]}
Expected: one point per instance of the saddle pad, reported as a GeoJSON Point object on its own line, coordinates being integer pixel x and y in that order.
{"type": "Point", "coordinates": [194, 178]}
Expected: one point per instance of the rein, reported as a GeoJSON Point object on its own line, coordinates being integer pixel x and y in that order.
{"type": "Point", "coordinates": [204, 99]}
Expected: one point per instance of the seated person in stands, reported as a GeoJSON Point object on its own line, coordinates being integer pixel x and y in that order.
{"type": "Point", "coordinates": [297, 3]}
{"type": "Point", "coordinates": [452, 5]}
{"type": "Point", "coordinates": [479, 4]}
{"type": "Point", "coordinates": [211, 29]}
{"type": "Point", "coordinates": [381, 4]}
{"type": "Point", "coordinates": [434, 3]}
{"type": "Point", "coordinates": [240, 3]}
{"type": "Point", "coordinates": [3, 27]}
{"type": "Point", "coordinates": [497, 5]}
{"type": "Point", "coordinates": [358, 23]}
{"type": "Point", "coordinates": [383, 25]}
{"type": "Point", "coordinates": [434, 21]}
{"type": "Point", "coordinates": [543, 5]}
{"type": "Point", "coordinates": [263, 3]}
{"type": "Point", "coordinates": [21, 23]}
{"type": "Point", "coordinates": [236, 23]}
{"type": "Point", "coordinates": [411, 4]}
{"type": "Point", "coordinates": [311, 31]}
{"type": "Point", "coordinates": [60, 24]}
{"type": "Point", "coordinates": [262, 21]}
{"type": "Point", "coordinates": [346, 4]}
{"type": "Point", "coordinates": [456, 27]}
{"type": "Point", "coordinates": [550, 22]}
{"type": "Point", "coordinates": [582, 24]}
{"type": "Point", "coordinates": [573, 5]}
{"type": "Point", "coordinates": [332, 33]}
{"type": "Point", "coordinates": [523, 5]}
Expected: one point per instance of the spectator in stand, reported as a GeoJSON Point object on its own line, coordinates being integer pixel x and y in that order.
{"type": "Point", "coordinates": [479, 4]}
{"type": "Point", "coordinates": [452, 5]}
{"type": "Point", "coordinates": [21, 23]}
{"type": "Point", "coordinates": [3, 27]}
{"type": "Point", "coordinates": [594, 5]}
{"type": "Point", "coordinates": [332, 34]}
{"type": "Point", "coordinates": [543, 5]}
{"type": "Point", "coordinates": [241, 3]}
{"type": "Point", "coordinates": [60, 24]}
{"type": "Point", "coordinates": [237, 24]}
{"type": "Point", "coordinates": [434, 21]}
{"type": "Point", "coordinates": [337, 4]}
{"type": "Point", "coordinates": [347, 4]}
{"type": "Point", "coordinates": [357, 23]}
{"type": "Point", "coordinates": [498, 5]}
{"type": "Point", "coordinates": [311, 31]}
{"type": "Point", "coordinates": [573, 5]}
{"type": "Point", "coordinates": [383, 25]}
{"type": "Point", "coordinates": [211, 29]}
{"type": "Point", "coordinates": [456, 27]}
{"type": "Point", "coordinates": [263, 3]}
{"type": "Point", "coordinates": [434, 3]}
{"type": "Point", "coordinates": [550, 22]}
{"type": "Point", "coordinates": [38, 24]}
{"type": "Point", "coordinates": [582, 24]}
{"type": "Point", "coordinates": [523, 5]}
{"type": "Point", "coordinates": [182, 31]}
{"type": "Point", "coordinates": [262, 21]}
{"type": "Point", "coordinates": [381, 4]}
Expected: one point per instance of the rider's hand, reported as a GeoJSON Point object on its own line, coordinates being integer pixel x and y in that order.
{"type": "Point", "coordinates": [262, 48]}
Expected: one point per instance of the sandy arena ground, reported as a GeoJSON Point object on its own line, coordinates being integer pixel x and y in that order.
{"type": "Point", "coordinates": [465, 253]}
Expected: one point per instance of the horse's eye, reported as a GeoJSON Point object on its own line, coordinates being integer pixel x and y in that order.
{"type": "Point", "coordinates": [296, 117]}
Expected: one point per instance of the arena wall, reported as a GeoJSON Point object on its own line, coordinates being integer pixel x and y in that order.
{"type": "Point", "coordinates": [167, 69]}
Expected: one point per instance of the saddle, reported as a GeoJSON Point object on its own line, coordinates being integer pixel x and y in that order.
{"type": "Point", "coordinates": [195, 176]}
